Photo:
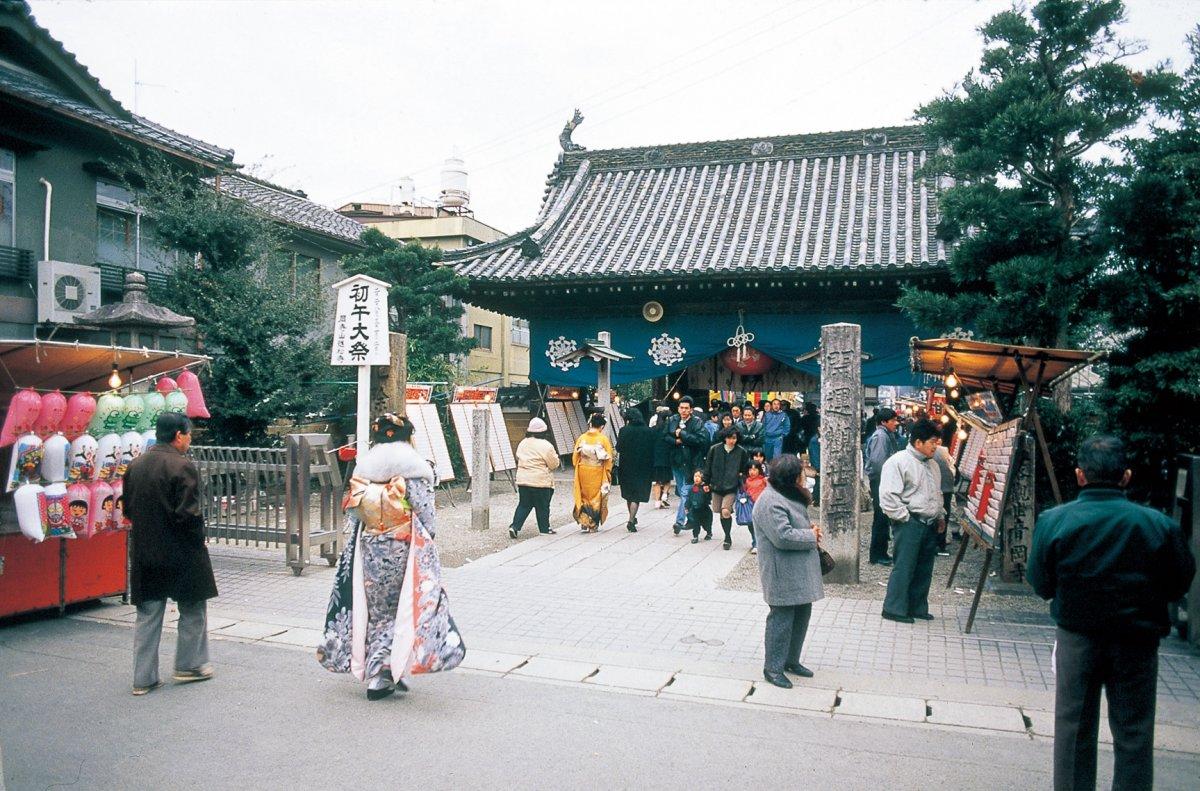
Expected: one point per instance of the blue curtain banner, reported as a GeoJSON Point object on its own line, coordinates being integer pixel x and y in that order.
{"type": "Point", "coordinates": [677, 342]}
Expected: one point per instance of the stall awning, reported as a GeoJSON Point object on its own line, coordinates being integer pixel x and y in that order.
{"type": "Point", "coordinates": [998, 366]}
{"type": "Point", "coordinates": [54, 365]}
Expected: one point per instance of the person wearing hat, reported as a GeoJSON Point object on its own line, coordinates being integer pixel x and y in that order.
{"type": "Point", "coordinates": [881, 446]}
{"type": "Point", "coordinates": [536, 462]}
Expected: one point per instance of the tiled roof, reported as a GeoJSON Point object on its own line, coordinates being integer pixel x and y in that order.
{"type": "Point", "coordinates": [829, 202]}
{"type": "Point", "coordinates": [35, 90]}
{"type": "Point", "coordinates": [292, 208]}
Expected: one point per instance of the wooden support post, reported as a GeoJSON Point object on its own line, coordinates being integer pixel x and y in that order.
{"type": "Point", "coordinates": [841, 411]}
{"type": "Point", "coordinates": [396, 382]}
{"type": "Point", "coordinates": [1051, 473]}
{"type": "Point", "coordinates": [983, 574]}
{"type": "Point", "coordinates": [962, 550]}
{"type": "Point", "coordinates": [480, 478]}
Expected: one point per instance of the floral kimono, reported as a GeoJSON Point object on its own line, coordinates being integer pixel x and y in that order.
{"type": "Point", "coordinates": [388, 611]}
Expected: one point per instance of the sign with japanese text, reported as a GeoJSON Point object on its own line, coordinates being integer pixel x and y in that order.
{"type": "Point", "coordinates": [418, 394]}
{"type": "Point", "coordinates": [360, 323]}
{"type": "Point", "coordinates": [474, 395]}
{"type": "Point", "coordinates": [562, 393]}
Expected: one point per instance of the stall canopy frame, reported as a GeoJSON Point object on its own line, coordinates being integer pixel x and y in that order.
{"type": "Point", "coordinates": [1009, 369]}
{"type": "Point", "coordinates": [82, 367]}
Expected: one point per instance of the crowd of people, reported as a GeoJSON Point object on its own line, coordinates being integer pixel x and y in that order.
{"type": "Point", "coordinates": [1109, 566]}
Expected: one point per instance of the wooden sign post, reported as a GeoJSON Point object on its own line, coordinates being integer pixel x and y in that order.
{"type": "Point", "coordinates": [360, 338]}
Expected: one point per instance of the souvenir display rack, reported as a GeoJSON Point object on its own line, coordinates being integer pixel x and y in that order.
{"type": "Point", "coordinates": [55, 572]}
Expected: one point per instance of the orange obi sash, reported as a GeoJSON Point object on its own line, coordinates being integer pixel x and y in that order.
{"type": "Point", "coordinates": [382, 508]}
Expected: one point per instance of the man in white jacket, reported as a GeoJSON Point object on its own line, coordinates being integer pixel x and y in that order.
{"type": "Point", "coordinates": [910, 494]}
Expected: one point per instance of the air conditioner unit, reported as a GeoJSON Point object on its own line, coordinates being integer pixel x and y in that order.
{"type": "Point", "coordinates": [66, 291]}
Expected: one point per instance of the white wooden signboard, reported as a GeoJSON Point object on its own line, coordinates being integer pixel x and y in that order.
{"type": "Point", "coordinates": [428, 438]}
{"type": "Point", "coordinates": [560, 429]}
{"type": "Point", "coordinates": [360, 338]}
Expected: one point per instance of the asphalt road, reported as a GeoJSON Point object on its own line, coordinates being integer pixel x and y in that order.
{"type": "Point", "coordinates": [272, 718]}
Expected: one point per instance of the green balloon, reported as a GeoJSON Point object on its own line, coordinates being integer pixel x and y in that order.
{"type": "Point", "coordinates": [155, 405]}
{"type": "Point", "coordinates": [110, 410]}
{"type": "Point", "coordinates": [176, 402]}
{"type": "Point", "coordinates": [135, 409]}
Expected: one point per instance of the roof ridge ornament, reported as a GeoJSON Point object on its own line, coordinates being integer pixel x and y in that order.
{"type": "Point", "coordinates": [564, 137]}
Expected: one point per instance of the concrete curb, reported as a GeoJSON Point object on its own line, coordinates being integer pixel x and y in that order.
{"type": "Point", "coordinates": [712, 685]}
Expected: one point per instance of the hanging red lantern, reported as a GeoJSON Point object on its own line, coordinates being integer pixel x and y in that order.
{"type": "Point", "coordinates": [752, 362]}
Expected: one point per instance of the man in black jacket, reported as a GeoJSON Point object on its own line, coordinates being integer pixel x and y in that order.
{"type": "Point", "coordinates": [1111, 567]}
{"type": "Point", "coordinates": [723, 467]}
{"type": "Point", "coordinates": [688, 441]}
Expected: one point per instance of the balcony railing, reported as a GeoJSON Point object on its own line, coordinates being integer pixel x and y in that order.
{"type": "Point", "coordinates": [16, 264]}
{"type": "Point", "coordinates": [112, 277]}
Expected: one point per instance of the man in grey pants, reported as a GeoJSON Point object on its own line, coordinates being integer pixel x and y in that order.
{"type": "Point", "coordinates": [910, 493]}
{"type": "Point", "coordinates": [169, 559]}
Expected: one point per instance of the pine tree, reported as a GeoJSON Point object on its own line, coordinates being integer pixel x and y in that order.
{"type": "Point", "coordinates": [1149, 290]}
{"type": "Point", "coordinates": [424, 300]}
{"type": "Point", "coordinates": [1050, 87]}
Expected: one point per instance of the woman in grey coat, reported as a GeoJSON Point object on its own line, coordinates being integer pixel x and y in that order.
{"type": "Point", "coordinates": [789, 566]}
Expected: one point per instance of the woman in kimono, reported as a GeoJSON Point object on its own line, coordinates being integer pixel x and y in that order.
{"type": "Point", "coordinates": [388, 615]}
{"type": "Point", "coordinates": [593, 460]}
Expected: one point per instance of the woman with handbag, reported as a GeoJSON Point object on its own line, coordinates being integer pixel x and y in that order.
{"type": "Point", "coordinates": [388, 615]}
{"type": "Point", "coordinates": [789, 565]}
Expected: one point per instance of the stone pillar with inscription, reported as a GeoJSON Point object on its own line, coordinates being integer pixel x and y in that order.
{"type": "Point", "coordinates": [1019, 512]}
{"type": "Point", "coordinates": [841, 462]}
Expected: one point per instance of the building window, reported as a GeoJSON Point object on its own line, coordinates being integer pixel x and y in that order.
{"type": "Point", "coordinates": [483, 337]}
{"type": "Point", "coordinates": [8, 191]}
{"type": "Point", "coordinates": [120, 238]}
{"type": "Point", "coordinates": [520, 332]}
{"type": "Point", "coordinates": [298, 270]}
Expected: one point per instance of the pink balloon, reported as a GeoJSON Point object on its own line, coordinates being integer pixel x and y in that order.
{"type": "Point", "coordinates": [79, 502]}
{"type": "Point", "coordinates": [54, 406]}
{"type": "Point", "coordinates": [120, 521]}
{"type": "Point", "coordinates": [23, 412]}
{"type": "Point", "coordinates": [100, 507]}
{"type": "Point", "coordinates": [189, 383]}
{"type": "Point", "coordinates": [80, 408]}
{"type": "Point", "coordinates": [166, 384]}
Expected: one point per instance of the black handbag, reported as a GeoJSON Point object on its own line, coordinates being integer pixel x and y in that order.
{"type": "Point", "coordinates": [827, 563]}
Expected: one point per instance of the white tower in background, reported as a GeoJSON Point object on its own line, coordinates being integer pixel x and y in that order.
{"type": "Point", "coordinates": [455, 194]}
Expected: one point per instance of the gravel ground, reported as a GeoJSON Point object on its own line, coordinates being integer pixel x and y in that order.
{"type": "Point", "coordinates": [873, 584]}
{"type": "Point", "coordinates": [458, 544]}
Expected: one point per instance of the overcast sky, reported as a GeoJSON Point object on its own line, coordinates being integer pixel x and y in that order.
{"type": "Point", "coordinates": [341, 99]}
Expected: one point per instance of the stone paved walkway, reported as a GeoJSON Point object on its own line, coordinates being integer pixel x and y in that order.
{"type": "Point", "coordinates": [654, 594]}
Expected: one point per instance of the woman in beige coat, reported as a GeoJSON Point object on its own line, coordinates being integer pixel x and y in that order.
{"type": "Point", "coordinates": [536, 462]}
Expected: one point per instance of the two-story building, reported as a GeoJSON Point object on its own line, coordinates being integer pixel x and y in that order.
{"type": "Point", "coordinates": [61, 204]}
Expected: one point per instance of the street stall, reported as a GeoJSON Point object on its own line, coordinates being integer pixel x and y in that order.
{"type": "Point", "coordinates": [75, 415]}
{"type": "Point", "coordinates": [997, 460]}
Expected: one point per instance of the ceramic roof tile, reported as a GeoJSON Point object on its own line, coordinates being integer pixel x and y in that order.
{"type": "Point", "coordinates": [829, 202]}
{"type": "Point", "coordinates": [292, 208]}
{"type": "Point", "coordinates": [38, 91]}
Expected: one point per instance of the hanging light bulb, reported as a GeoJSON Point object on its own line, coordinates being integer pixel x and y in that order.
{"type": "Point", "coordinates": [962, 434]}
{"type": "Point", "coordinates": [114, 379]}
{"type": "Point", "coordinates": [945, 419]}
{"type": "Point", "coordinates": [954, 394]}
{"type": "Point", "coordinates": [675, 396]}
{"type": "Point", "coordinates": [951, 380]}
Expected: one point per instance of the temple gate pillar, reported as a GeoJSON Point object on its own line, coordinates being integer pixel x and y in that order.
{"type": "Point", "coordinates": [841, 458]}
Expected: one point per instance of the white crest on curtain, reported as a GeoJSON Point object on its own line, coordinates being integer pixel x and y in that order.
{"type": "Point", "coordinates": [666, 350]}
{"type": "Point", "coordinates": [557, 348]}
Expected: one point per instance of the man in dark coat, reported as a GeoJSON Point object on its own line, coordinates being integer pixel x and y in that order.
{"type": "Point", "coordinates": [1111, 568]}
{"type": "Point", "coordinates": [881, 446]}
{"type": "Point", "coordinates": [688, 442]}
{"type": "Point", "coordinates": [169, 559]}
